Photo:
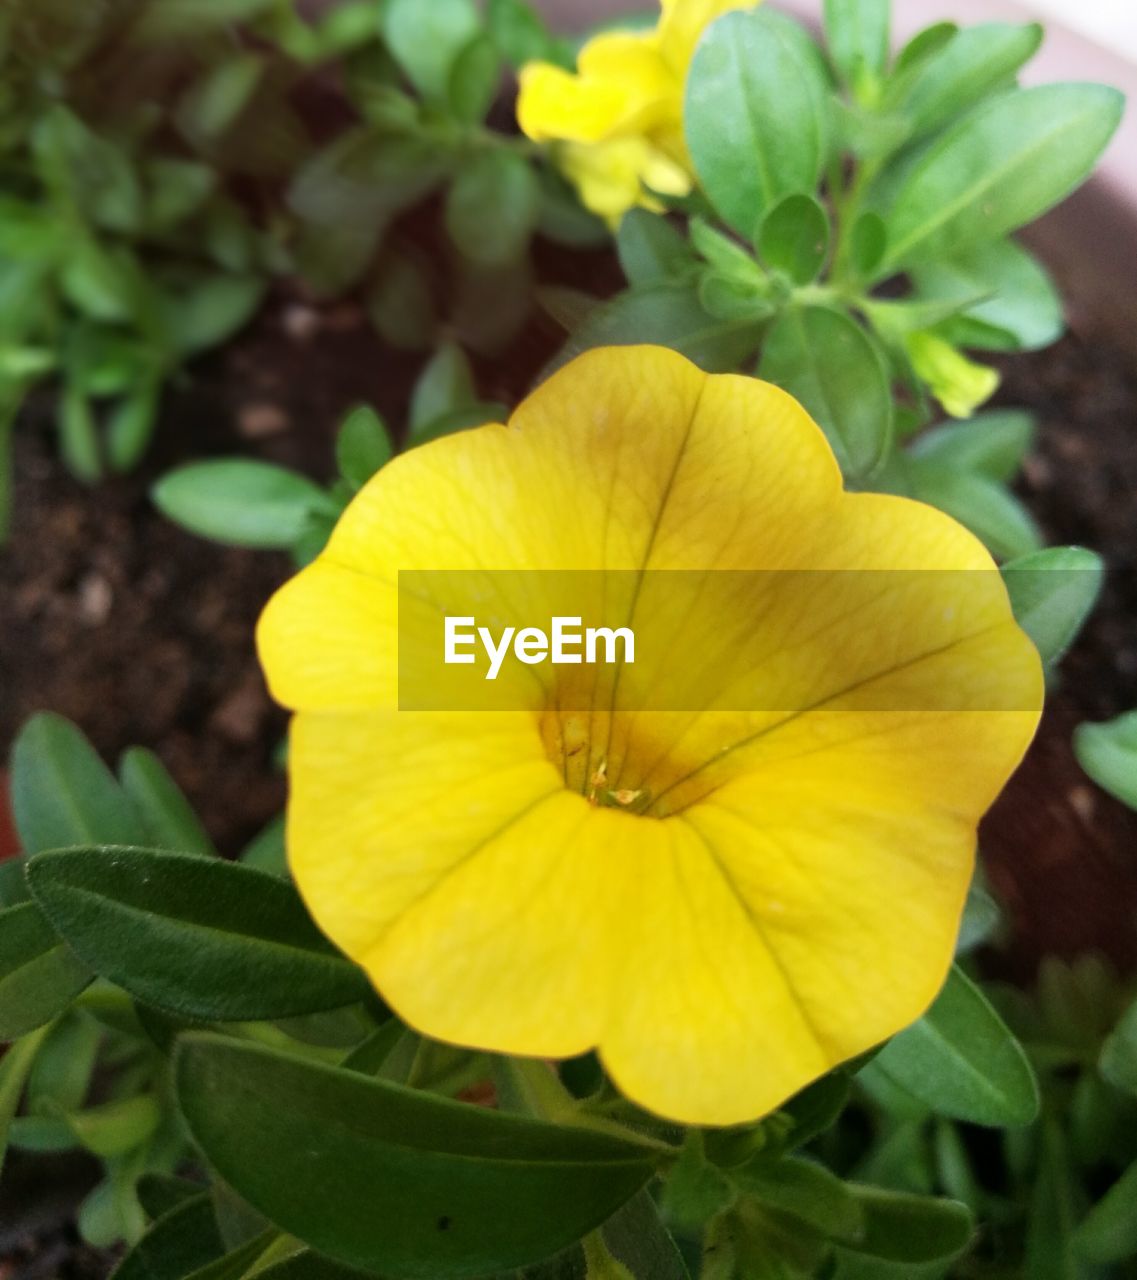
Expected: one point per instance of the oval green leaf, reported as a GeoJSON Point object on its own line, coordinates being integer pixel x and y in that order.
{"type": "Point", "coordinates": [62, 793]}
{"type": "Point", "coordinates": [1001, 166]}
{"type": "Point", "coordinates": [39, 974]}
{"type": "Point", "coordinates": [202, 938]}
{"type": "Point", "coordinates": [795, 238]}
{"type": "Point", "coordinates": [378, 1176]}
{"type": "Point", "coordinates": [493, 206]}
{"type": "Point", "coordinates": [166, 814]}
{"type": "Point", "coordinates": [239, 501]}
{"type": "Point", "coordinates": [756, 118]}
{"type": "Point", "coordinates": [1052, 593]}
{"type": "Point", "coordinates": [962, 1061]}
{"type": "Point", "coordinates": [828, 362]}
{"type": "Point", "coordinates": [1108, 753]}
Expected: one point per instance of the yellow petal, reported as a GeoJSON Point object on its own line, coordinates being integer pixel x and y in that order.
{"type": "Point", "coordinates": [684, 21]}
{"type": "Point", "coordinates": [622, 88]}
{"type": "Point", "coordinates": [611, 177]}
{"type": "Point", "coordinates": [959, 384]}
{"type": "Point", "coordinates": [780, 886]}
{"type": "Point", "coordinates": [555, 104]}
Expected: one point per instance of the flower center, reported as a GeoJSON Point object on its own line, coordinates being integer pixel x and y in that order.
{"type": "Point", "coordinates": [647, 763]}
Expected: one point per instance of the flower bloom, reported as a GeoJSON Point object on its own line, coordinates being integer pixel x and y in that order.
{"type": "Point", "coordinates": [765, 894]}
{"type": "Point", "coordinates": [619, 120]}
{"type": "Point", "coordinates": [961, 385]}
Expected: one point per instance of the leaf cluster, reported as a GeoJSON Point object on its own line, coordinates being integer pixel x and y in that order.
{"type": "Point", "coordinates": [855, 234]}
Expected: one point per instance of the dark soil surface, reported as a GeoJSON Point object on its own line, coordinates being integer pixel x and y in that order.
{"type": "Point", "coordinates": [1061, 854]}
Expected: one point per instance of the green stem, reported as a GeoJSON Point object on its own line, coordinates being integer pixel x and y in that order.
{"type": "Point", "coordinates": [545, 1097]}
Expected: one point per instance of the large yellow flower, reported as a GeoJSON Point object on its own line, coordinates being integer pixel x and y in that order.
{"type": "Point", "coordinates": [619, 120]}
{"type": "Point", "coordinates": [770, 891]}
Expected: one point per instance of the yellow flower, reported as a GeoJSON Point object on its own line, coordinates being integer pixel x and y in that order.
{"type": "Point", "coordinates": [764, 894]}
{"type": "Point", "coordinates": [618, 121]}
{"type": "Point", "coordinates": [959, 384]}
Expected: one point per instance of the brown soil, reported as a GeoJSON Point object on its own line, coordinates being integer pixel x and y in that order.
{"type": "Point", "coordinates": [1061, 854]}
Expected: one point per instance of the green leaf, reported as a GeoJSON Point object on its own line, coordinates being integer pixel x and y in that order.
{"type": "Point", "coordinates": [474, 79]}
{"type": "Point", "coordinates": [15, 1064]}
{"type": "Point", "coordinates": [828, 362]}
{"type": "Point", "coordinates": [363, 446]}
{"type": "Point", "coordinates": [651, 249]}
{"type": "Point", "coordinates": [116, 1127]}
{"type": "Point", "coordinates": [131, 424]}
{"type": "Point", "coordinates": [202, 938]}
{"type": "Point", "coordinates": [444, 386]}
{"type": "Point", "coordinates": [493, 206]}
{"type": "Point", "coordinates": [1108, 753]}
{"type": "Point", "coordinates": [1025, 311]}
{"type": "Point", "coordinates": [564, 220]}
{"type": "Point", "coordinates": [239, 501]}
{"type": "Point", "coordinates": [990, 511]}
{"type": "Point", "coordinates": [183, 1239]}
{"type": "Point", "coordinates": [13, 886]}
{"type": "Point", "coordinates": [363, 178]}
{"type": "Point", "coordinates": [911, 1229]}
{"type": "Point", "coordinates": [305, 1265]}
{"type": "Point", "coordinates": [1052, 593]}
{"type": "Point", "coordinates": [167, 816]}
{"type": "Point", "coordinates": [795, 238]}
{"type": "Point", "coordinates": [756, 118]}
{"type": "Point", "coordinates": [1109, 1231]}
{"type": "Point", "coordinates": [62, 793]}
{"type": "Point", "coordinates": [858, 36]}
{"type": "Point", "coordinates": [672, 316]}
{"type": "Point", "coordinates": [733, 299]}
{"type": "Point", "coordinates": [212, 104]}
{"type": "Point", "coordinates": [805, 1190]}
{"type": "Point", "coordinates": [976, 62]}
{"type": "Point", "coordinates": [265, 852]}
{"type": "Point", "coordinates": [39, 974]}
{"type": "Point", "coordinates": [992, 444]}
{"type": "Point", "coordinates": [981, 917]}
{"type": "Point", "coordinates": [519, 33]}
{"type": "Point", "coordinates": [79, 435]}
{"type": "Point", "coordinates": [385, 1178]}
{"type": "Point", "coordinates": [637, 1238]}
{"type": "Point", "coordinates": [401, 304]}
{"type": "Point", "coordinates": [962, 1061]}
{"type": "Point", "coordinates": [1052, 1212]}
{"type": "Point", "coordinates": [915, 54]}
{"type": "Point", "coordinates": [178, 190]}
{"type": "Point", "coordinates": [158, 1193]}
{"type": "Point", "coordinates": [61, 1077]}
{"type": "Point", "coordinates": [100, 283]}
{"type": "Point", "coordinates": [209, 310]}
{"type": "Point", "coordinates": [1000, 167]}
{"type": "Point", "coordinates": [815, 1109]}
{"type": "Point", "coordinates": [1118, 1061]}
{"type": "Point", "coordinates": [695, 1190]}
{"type": "Point", "coordinates": [426, 39]}
{"type": "Point", "coordinates": [868, 243]}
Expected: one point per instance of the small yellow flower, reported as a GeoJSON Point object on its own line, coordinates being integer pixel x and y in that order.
{"type": "Point", "coordinates": [959, 384]}
{"type": "Point", "coordinates": [618, 121]}
{"type": "Point", "coordinates": [726, 904]}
